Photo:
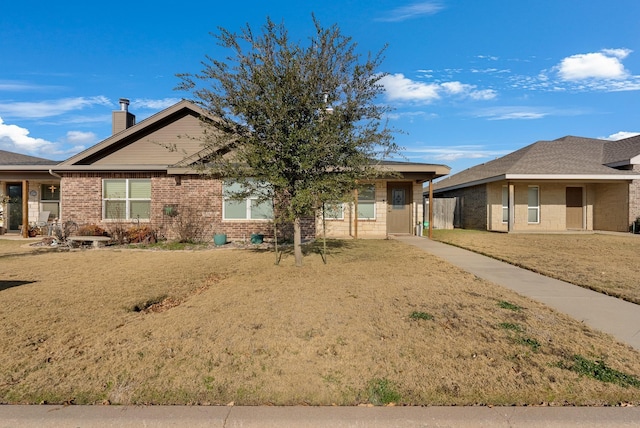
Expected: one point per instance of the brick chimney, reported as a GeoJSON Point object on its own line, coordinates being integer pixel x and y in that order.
{"type": "Point", "coordinates": [122, 119]}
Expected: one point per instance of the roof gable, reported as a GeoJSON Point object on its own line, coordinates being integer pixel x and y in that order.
{"type": "Point", "coordinates": [147, 142]}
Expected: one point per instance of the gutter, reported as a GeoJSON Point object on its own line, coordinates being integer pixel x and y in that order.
{"type": "Point", "coordinates": [54, 174]}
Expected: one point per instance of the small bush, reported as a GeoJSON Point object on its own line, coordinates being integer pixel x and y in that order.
{"type": "Point", "coordinates": [91, 230]}
{"type": "Point", "coordinates": [141, 234]}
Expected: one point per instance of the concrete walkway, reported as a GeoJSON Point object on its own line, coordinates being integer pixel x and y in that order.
{"type": "Point", "coordinates": [312, 417]}
{"type": "Point", "coordinates": [608, 314]}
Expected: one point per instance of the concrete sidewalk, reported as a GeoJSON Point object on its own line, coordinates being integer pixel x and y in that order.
{"type": "Point", "coordinates": [312, 417]}
{"type": "Point", "coordinates": [607, 314]}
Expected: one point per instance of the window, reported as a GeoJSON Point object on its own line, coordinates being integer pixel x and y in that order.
{"type": "Point", "coordinates": [334, 211]}
{"type": "Point", "coordinates": [533, 204]}
{"type": "Point", "coordinates": [367, 202]}
{"type": "Point", "coordinates": [250, 208]}
{"type": "Point", "coordinates": [50, 200]}
{"type": "Point", "coordinates": [505, 204]}
{"type": "Point", "coordinates": [126, 199]}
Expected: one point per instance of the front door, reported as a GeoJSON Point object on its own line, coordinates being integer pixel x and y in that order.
{"type": "Point", "coordinates": [574, 208]}
{"type": "Point", "coordinates": [399, 199]}
{"type": "Point", "coordinates": [14, 191]}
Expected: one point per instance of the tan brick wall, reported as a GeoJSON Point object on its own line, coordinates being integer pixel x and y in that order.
{"type": "Point", "coordinates": [634, 197]}
{"type": "Point", "coordinates": [611, 202]}
{"type": "Point", "coordinates": [376, 228]}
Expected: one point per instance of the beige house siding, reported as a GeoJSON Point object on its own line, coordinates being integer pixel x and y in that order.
{"type": "Point", "coordinates": [611, 201]}
{"type": "Point", "coordinates": [376, 228]}
{"type": "Point", "coordinates": [634, 197]}
{"type": "Point", "coordinates": [149, 149]}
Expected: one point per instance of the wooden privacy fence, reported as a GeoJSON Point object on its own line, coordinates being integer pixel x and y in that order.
{"type": "Point", "coordinates": [443, 212]}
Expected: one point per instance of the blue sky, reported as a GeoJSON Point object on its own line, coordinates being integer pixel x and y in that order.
{"type": "Point", "coordinates": [469, 80]}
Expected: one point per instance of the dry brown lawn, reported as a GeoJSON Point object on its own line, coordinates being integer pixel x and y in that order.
{"type": "Point", "coordinates": [606, 263]}
{"type": "Point", "coordinates": [381, 322]}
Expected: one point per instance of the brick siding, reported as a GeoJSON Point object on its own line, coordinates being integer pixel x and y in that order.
{"type": "Point", "coordinates": [197, 199]}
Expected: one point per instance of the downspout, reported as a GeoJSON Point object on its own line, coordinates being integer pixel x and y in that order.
{"type": "Point", "coordinates": [54, 174]}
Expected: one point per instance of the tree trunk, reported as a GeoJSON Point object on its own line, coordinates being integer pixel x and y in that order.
{"type": "Point", "coordinates": [297, 241]}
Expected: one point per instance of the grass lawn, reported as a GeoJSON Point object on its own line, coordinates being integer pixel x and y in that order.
{"type": "Point", "coordinates": [381, 323]}
{"type": "Point", "coordinates": [605, 263]}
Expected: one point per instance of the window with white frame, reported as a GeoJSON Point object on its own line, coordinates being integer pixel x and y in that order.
{"type": "Point", "coordinates": [126, 199]}
{"type": "Point", "coordinates": [533, 213]}
{"type": "Point", "coordinates": [367, 202]}
{"type": "Point", "coordinates": [505, 204]}
{"type": "Point", "coordinates": [250, 208]}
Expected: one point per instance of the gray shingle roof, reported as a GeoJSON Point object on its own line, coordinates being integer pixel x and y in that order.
{"type": "Point", "coordinates": [11, 158]}
{"type": "Point", "coordinates": [564, 156]}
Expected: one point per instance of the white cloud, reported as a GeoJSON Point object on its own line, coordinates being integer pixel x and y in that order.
{"type": "Point", "coordinates": [145, 103]}
{"type": "Point", "coordinates": [399, 88]}
{"type": "Point", "coordinates": [49, 108]}
{"type": "Point", "coordinates": [606, 64]}
{"type": "Point", "coordinates": [454, 153]}
{"type": "Point", "coordinates": [79, 137]}
{"type": "Point", "coordinates": [620, 135]}
{"type": "Point", "coordinates": [512, 113]}
{"type": "Point", "coordinates": [411, 11]}
{"type": "Point", "coordinates": [16, 139]}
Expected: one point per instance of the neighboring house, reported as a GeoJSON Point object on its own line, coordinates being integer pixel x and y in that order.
{"type": "Point", "coordinates": [132, 178]}
{"type": "Point", "coordinates": [571, 183]}
{"type": "Point", "coordinates": [31, 188]}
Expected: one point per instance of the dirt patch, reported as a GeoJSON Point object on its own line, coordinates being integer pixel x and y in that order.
{"type": "Point", "coordinates": [381, 322]}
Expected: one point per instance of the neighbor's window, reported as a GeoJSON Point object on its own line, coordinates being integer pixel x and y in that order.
{"type": "Point", "coordinates": [250, 208]}
{"type": "Point", "coordinates": [534, 205]}
{"type": "Point", "coordinates": [126, 199]}
{"type": "Point", "coordinates": [505, 204]}
{"type": "Point", "coordinates": [367, 202]}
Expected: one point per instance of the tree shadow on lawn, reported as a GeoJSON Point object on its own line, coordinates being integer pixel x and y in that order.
{"type": "Point", "coordinates": [333, 246]}
{"type": "Point", "coordinates": [9, 284]}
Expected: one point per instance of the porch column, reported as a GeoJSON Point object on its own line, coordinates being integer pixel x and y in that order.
{"type": "Point", "coordinates": [355, 220]}
{"type": "Point", "coordinates": [431, 208]}
{"type": "Point", "coordinates": [25, 208]}
{"type": "Point", "coordinates": [512, 211]}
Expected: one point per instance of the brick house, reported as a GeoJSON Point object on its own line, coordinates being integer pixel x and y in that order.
{"type": "Point", "coordinates": [571, 183]}
{"type": "Point", "coordinates": [133, 178]}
